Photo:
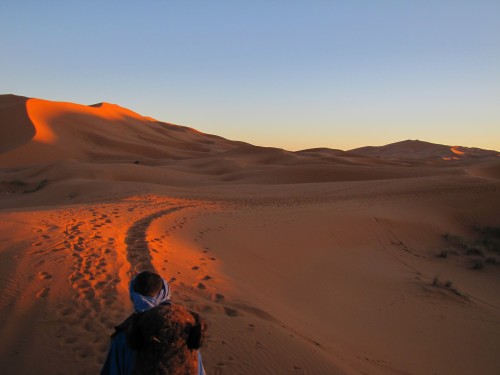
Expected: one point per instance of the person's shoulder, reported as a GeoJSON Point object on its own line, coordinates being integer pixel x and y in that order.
{"type": "Point", "coordinates": [126, 324]}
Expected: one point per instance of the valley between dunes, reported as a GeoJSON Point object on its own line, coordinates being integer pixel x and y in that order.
{"type": "Point", "coordinates": [378, 261]}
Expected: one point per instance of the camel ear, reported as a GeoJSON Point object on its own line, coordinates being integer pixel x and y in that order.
{"type": "Point", "coordinates": [195, 337]}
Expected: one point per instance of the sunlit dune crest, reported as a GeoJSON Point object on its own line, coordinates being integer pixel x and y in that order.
{"type": "Point", "coordinates": [45, 113]}
{"type": "Point", "coordinates": [40, 113]}
{"type": "Point", "coordinates": [114, 111]}
{"type": "Point", "coordinates": [457, 150]}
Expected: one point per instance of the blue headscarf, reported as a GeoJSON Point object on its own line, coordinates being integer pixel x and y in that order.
{"type": "Point", "coordinates": [143, 303]}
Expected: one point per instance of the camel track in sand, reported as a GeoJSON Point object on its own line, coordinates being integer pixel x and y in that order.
{"type": "Point", "coordinates": [90, 239]}
{"type": "Point", "coordinates": [138, 251]}
{"type": "Point", "coordinates": [93, 241]}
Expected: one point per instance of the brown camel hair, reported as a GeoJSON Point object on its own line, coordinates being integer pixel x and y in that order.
{"type": "Point", "coordinates": [166, 338]}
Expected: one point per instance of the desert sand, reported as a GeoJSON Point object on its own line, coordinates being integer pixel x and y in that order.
{"type": "Point", "coordinates": [380, 260]}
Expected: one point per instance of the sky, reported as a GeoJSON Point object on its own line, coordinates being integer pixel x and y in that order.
{"type": "Point", "coordinates": [283, 73]}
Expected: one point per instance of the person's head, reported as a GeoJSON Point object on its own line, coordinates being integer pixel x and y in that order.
{"type": "Point", "coordinates": [147, 283]}
{"type": "Point", "coordinates": [166, 339]}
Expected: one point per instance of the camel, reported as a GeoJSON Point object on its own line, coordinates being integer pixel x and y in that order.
{"type": "Point", "coordinates": [167, 339]}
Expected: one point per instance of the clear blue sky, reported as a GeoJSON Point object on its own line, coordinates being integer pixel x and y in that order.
{"type": "Point", "coordinates": [291, 74]}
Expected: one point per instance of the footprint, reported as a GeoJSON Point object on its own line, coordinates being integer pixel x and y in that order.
{"type": "Point", "coordinates": [70, 340]}
{"type": "Point", "coordinates": [230, 312]}
{"type": "Point", "coordinates": [66, 311]}
{"type": "Point", "coordinates": [43, 293]}
{"type": "Point", "coordinates": [39, 263]}
{"type": "Point", "coordinates": [44, 275]}
{"type": "Point", "coordinates": [218, 297]}
{"type": "Point", "coordinates": [100, 284]}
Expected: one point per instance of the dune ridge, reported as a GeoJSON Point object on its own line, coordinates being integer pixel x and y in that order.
{"type": "Point", "coordinates": [101, 141]}
{"type": "Point", "coordinates": [420, 150]}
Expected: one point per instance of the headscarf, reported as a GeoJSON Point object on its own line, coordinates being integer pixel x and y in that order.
{"type": "Point", "coordinates": [143, 303]}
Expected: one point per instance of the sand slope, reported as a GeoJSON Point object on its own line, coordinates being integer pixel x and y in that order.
{"type": "Point", "coordinates": [17, 128]}
{"type": "Point", "coordinates": [102, 132]}
{"type": "Point", "coordinates": [312, 262]}
{"type": "Point", "coordinates": [419, 150]}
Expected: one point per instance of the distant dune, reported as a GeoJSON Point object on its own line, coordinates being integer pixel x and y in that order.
{"type": "Point", "coordinates": [379, 260]}
{"type": "Point", "coordinates": [419, 150]}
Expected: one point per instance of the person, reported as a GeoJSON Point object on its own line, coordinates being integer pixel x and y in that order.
{"type": "Point", "coordinates": [167, 339]}
{"type": "Point", "coordinates": [147, 290]}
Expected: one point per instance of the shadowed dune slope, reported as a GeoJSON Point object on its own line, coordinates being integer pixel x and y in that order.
{"type": "Point", "coordinates": [16, 127]}
{"type": "Point", "coordinates": [488, 170]}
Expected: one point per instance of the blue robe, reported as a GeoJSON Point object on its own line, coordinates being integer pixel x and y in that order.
{"type": "Point", "coordinates": [120, 359]}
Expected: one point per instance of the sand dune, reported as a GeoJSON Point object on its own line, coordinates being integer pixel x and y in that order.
{"type": "Point", "coordinates": [103, 132]}
{"type": "Point", "coordinates": [101, 141]}
{"type": "Point", "coordinates": [415, 150]}
{"type": "Point", "coordinates": [489, 170]}
{"type": "Point", "coordinates": [371, 261]}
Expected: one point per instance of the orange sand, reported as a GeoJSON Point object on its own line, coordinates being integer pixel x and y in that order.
{"type": "Point", "coordinates": [315, 262]}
